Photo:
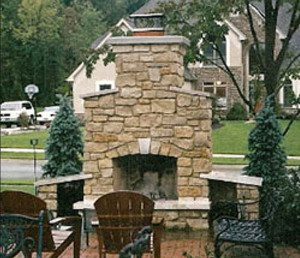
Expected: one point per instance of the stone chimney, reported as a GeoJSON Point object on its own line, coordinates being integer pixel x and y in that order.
{"type": "Point", "coordinates": [149, 134]}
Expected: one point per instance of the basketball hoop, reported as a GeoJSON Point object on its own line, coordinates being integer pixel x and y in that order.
{"type": "Point", "coordinates": [31, 89]}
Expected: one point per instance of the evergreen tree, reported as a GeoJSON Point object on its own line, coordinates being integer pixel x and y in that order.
{"type": "Point", "coordinates": [64, 145]}
{"type": "Point", "coordinates": [267, 158]}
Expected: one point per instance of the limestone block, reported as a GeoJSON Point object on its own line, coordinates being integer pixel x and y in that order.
{"type": "Point", "coordinates": [202, 165]}
{"type": "Point", "coordinates": [205, 125]}
{"type": "Point", "coordinates": [133, 148]}
{"type": "Point", "coordinates": [123, 150]}
{"type": "Point", "coordinates": [105, 181]}
{"type": "Point", "coordinates": [131, 57]}
{"type": "Point", "coordinates": [184, 131]}
{"type": "Point", "coordinates": [183, 181]}
{"type": "Point", "coordinates": [165, 94]}
{"type": "Point", "coordinates": [197, 181]}
{"type": "Point", "coordinates": [99, 118]}
{"type": "Point", "coordinates": [154, 74]}
{"type": "Point", "coordinates": [160, 132]}
{"type": "Point", "coordinates": [116, 119]}
{"type": "Point", "coordinates": [88, 115]}
{"type": "Point", "coordinates": [142, 76]}
{"type": "Point", "coordinates": [122, 49]}
{"type": "Point", "coordinates": [113, 127]}
{"type": "Point", "coordinates": [184, 171]}
{"type": "Point", "coordinates": [95, 147]}
{"type": "Point", "coordinates": [150, 120]}
{"type": "Point", "coordinates": [189, 214]}
{"type": "Point", "coordinates": [88, 136]}
{"type": "Point", "coordinates": [51, 204]}
{"type": "Point", "coordinates": [132, 122]}
{"type": "Point", "coordinates": [186, 144]}
{"type": "Point", "coordinates": [167, 57]}
{"type": "Point", "coordinates": [201, 139]}
{"type": "Point", "coordinates": [106, 101]}
{"type": "Point", "coordinates": [112, 154]}
{"type": "Point", "coordinates": [126, 79]}
{"type": "Point", "coordinates": [175, 152]}
{"type": "Point", "coordinates": [105, 163]}
{"type": "Point", "coordinates": [164, 149]}
{"type": "Point", "coordinates": [141, 109]}
{"type": "Point", "coordinates": [102, 189]}
{"type": "Point", "coordinates": [134, 67]}
{"type": "Point", "coordinates": [184, 100]}
{"type": "Point", "coordinates": [155, 147]}
{"type": "Point", "coordinates": [149, 94]}
{"type": "Point", "coordinates": [159, 48]}
{"type": "Point", "coordinates": [174, 120]}
{"type": "Point", "coordinates": [163, 106]}
{"type": "Point", "coordinates": [198, 114]}
{"type": "Point", "coordinates": [171, 216]}
{"type": "Point", "coordinates": [123, 111]}
{"type": "Point", "coordinates": [94, 127]}
{"type": "Point", "coordinates": [180, 225]}
{"type": "Point", "coordinates": [198, 224]}
{"type": "Point", "coordinates": [90, 166]}
{"type": "Point", "coordinates": [141, 48]}
{"type": "Point", "coordinates": [131, 92]}
{"type": "Point", "coordinates": [126, 137]}
{"type": "Point", "coordinates": [91, 103]}
{"type": "Point", "coordinates": [101, 111]}
{"type": "Point", "coordinates": [172, 80]}
{"type": "Point", "coordinates": [87, 189]}
{"type": "Point", "coordinates": [191, 191]}
{"type": "Point", "coordinates": [147, 85]}
{"type": "Point", "coordinates": [48, 189]}
{"type": "Point", "coordinates": [165, 70]}
{"type": "Point", "coordinates": [141, 134]}
{"type": "Point", "coordinates": [86, 156]}
{"type": "Point", "coordinates": [125, 102]}
{"type": "Point", "coordinates": [105, 137]}
{"type": "Point", "coordinates": [184, 162]}
{"type": "Point", "coordinates": [97, 156]}
{"type": "Point", "coordinates": [146, 57]}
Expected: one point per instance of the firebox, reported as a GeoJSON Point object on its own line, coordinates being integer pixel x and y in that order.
{"type": "Point", "coordinates": [152, 175]}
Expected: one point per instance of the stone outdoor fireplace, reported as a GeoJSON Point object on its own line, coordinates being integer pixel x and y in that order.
{"type": "Point", "coordinates": [150, 134]}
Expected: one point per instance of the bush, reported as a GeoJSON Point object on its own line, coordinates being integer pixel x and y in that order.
{"type": "Point", "coordinates": [64, 144]}
{"type": "Point", "coordinates": [287, 227]}
{"type": "Point", "coordinates": [237, 112]}
{"type": "Point", "coordinates": [23, 120]}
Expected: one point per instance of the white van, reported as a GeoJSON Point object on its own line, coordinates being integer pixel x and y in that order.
{"type": "Point", "coordinates": [11, 110]}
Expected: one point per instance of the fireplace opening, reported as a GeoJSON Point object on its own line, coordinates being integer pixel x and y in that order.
{"type": "Point", "coordinates": [152, 175]}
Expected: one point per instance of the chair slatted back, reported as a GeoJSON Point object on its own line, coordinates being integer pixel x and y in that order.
{"type": "Point", "coordinates": [121, 215]}
{"type": "Point", "coordinates": [22, 203]}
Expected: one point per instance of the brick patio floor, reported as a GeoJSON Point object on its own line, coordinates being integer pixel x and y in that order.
{"type": "Point", "coordinates": [195, 243]}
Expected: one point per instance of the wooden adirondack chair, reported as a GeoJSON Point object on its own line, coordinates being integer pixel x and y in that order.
{"type": "Point", "coordinates": [55, 241]}
{"type": "Point", "coordinates": [121, 215]}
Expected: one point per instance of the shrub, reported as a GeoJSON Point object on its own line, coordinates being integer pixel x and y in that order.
{"type": "Point", "coordinates": [237, 112]}
{"type": "Point", "coordinates": [23, 120]}
{"type": "Point", "coordinates": [64, 144]}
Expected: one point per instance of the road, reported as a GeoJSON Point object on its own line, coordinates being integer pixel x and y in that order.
{"type": "Point", "coordinates": [15, 169]}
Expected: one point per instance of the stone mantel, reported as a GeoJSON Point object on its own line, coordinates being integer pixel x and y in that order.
{"type": "Point", "coordinates": [62, 179]}
{"type": "Point", "coordinates": [234, 177]}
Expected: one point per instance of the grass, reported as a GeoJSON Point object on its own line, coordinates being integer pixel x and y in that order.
{"type": "Point", "coordinates": [241, 161]}
{"type": "Point", "coordinates": [23, 140]}
{"type": "Point", "coordinates": [21, 155]}
{"type": "Point", "coordinates": [25, 185]}
{"type": "Point", "coordinates": [232, 138]}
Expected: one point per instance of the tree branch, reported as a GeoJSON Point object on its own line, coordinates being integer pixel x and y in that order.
{"type": "Point", "coordinates": [291, 122]}
{"type": "Point", "coordinates": [254, 35]}
{"type": "Point", "coordinates": [227, 70]}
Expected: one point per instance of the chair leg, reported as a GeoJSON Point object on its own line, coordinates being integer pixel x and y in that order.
{"type": "Point", "coordinates": [217, 249]}
{"type": "Point", "coordinates": [77, 238]}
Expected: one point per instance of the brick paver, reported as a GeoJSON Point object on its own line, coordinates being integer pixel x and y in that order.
{"type": "Point", "coordinates": [174, 245]}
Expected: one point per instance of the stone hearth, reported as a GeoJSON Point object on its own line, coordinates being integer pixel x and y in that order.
{"type": "Point", "coordinates": [149, 134]}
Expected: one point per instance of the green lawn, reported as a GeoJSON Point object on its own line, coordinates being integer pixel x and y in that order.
{"type": "Point", "coordinates": [23, 140]}
{"type": "Point", "coordinates": [240, 161]}
{"type": "Point", "coordinates": [21, 155]}
{"type": "Point", "coordinates": [232, 137]}
{"type": "Point", "coordinates": [25, 185]}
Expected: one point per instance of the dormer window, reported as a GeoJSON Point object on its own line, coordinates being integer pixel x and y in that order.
{"type": "Point", "coordinates": [149, 24]}
{"type": "Point", "coordinates": [210, 53]}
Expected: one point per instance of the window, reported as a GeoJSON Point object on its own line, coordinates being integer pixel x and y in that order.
{"type": "Point", "coordinates": [254, 66]}
{"type": "Point", "coordinates": [213, 55]}
{"type": "Point", "coordinates": [288, 93]}
{"type": "Point", "coordinates": [104, 85]}
{"type": "Point", "coordinates": [26, 106]}
{"type": "Point", "coordinates": [219, 89]}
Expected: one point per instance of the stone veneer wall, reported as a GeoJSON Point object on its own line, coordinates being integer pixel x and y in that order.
{"type": "Point", "coordinates": [148, 103]}
{"type": "Point", "coordinates": [48, 193]}
{"type": "Point", "coordinates": [251, 194]}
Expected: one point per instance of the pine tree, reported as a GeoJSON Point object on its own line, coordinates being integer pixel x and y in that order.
{"type": "Point", "coordinates": [64, 144]}
{"type": "Point", "coordinates": [267, 158]}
